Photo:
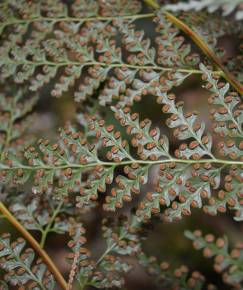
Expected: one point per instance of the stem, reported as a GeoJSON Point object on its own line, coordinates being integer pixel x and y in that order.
{"type": "Point", "coordinates": [74, 19]}
{"type": "Point", "coordinates": [107, 251]}
{"type": "Point", "coordinates": [48, 227]}
{"type": "Point", "coordinates": [127, 162]}
{"type": "Point", "coordinates": [152, 3]}
{"type": "Point", "coordinates": [111, 65]}
{"type": "Point", "coordinates": [36, 246]}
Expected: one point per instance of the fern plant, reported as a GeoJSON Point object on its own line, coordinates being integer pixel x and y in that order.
{"type": "Point", "coordinates": [210, 5]}
{"type": "Point", "coordinates": [114, 161]}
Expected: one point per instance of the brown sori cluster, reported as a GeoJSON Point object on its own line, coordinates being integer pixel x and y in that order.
{"type": "Point", "coordinates": [181, 187]}
{"type": "Point", "coordinates": [221, 111]}
{"type": "Point", "coordinates": [148, 141]}
{"type": "Point", "coordinates": [126, 186]}
{"type": "Point", "coordinates": [172, 46]}
{"type": "Point", "coordinates": [230, 196]}
{"type": "Point", "coordinates": [21, 275]}
{"type": "Point", "coordinates": [226, 115]}
{"type": "Point", "coordinates": [232, 149]}
{"type": "Point", "coordinates": [110, 138]}
{"type": "Point", "coordinates": [15, 113]}
{"type": "Point", "coordinates": [226, 261]}
{"type": "Point", "coordinates": [185, 125]}
{"type": "Point", "coordinates": [173, 278]}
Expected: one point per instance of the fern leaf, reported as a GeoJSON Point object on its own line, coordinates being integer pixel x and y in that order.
{"type": "Point", "coordinates": [230, 196]}
{"type": "Point", "coordinates": [15, 120]}
{"type": "Point", "coordinates": [167, 189]}
{"type": "Point", "coordinates": [186, 126]}
{"type": "Point", "coordinates": [51, 218]}
{"type": "Point", "coordinates": [121, 241]}
{"type": "Point", "coordinates": [20, 269]}
{"type": "Point", "coordinates": [97, 181]}
{"type": "Point", "coordinates": [227, 117]}
{"type": "Point", "coordinates": [167, 277]}
{"type": "Point", "coordinates": [226, 261]}
{"type": "Point", "coordinates": [150, 144]}
{"type": "Point", "coordinates": [55, 51]}
{"type": "Point", "coordinates": [126, 186]}
{"type": "Point", "coordinates": [173, 51]}
{"type": "Point", "coordinates": [79, 256]}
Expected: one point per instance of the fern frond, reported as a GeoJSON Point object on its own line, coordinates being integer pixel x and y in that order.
{"type": "Point", "coordinates": [121, 242]}
{"type": "Point", "coordinates": [170, 278]}
{"type": "Point", "coordinates": [149, 142]}
{"type": "Point", "coordinates": [46, 220]}
{"type": "Point", "coordinates": [229, 196]}
{"type": "Point", "coordinates": [211, 6]}
{"type": "Point", "coordinates": [55, 50]}
{"type": "Point", "coordinates": [15, 119]}
{"type": "Point", "coordinates": [80, 255]}
{"type": "Point", "coordinates": [186, 126]}
{"type": "Point", "coordinates": [173, 51]}
{"type": "Point", "coordinates": [97, 53]}
{"type": "Point", "coordinates": [20, 268]}
{"type": "Point", "coordinates": [73, 157]}
{"type": "Point", "coordinates": [27, 215]}
{"type": "Point", "coordinates": [77, 165]}
{"type": "Point", "coordinates": [227, 117]}
{"type": "Point", "coordinates": [226, 261]}
{"type": "Point", "coordinates": [180, 187]}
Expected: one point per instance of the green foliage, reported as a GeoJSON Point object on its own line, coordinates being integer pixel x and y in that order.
{"type": "Point", "coordinates": [60, 166]}
{"type": "Point", "coordinates": [101, 55]}
{"type": "Point", "coordinates": [96, 53]}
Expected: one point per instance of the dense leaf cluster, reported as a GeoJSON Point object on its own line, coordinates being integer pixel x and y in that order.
{"type": "Point", "coordinates": [95, 52]}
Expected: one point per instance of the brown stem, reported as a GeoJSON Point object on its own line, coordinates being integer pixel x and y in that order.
{"type": "Point", "coordinates": [52, 267]}
{"type": "Point", "coordinates": [206, 50]}
{"type": "Point", "coordinates": [152, 3]}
